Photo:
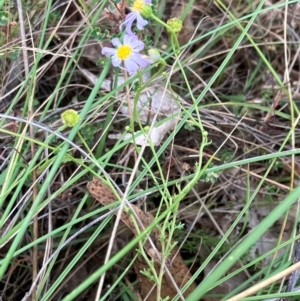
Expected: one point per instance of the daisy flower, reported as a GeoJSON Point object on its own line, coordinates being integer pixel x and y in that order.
{"type": "Point", "coordinates": [127, 53]}
{"type": "Point", "coordinates": [138, 9]}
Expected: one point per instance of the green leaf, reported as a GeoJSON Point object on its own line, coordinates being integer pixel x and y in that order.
{"type": "Point", "coordinates": [4, 18]}
{"type": "Point", "coordinates": [96, 33]}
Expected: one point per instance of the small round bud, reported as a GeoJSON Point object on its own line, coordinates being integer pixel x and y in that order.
{"type": "Point", "coordinates": [146, 129]}
{"type": "Point", "coordinates": [70, 118]}
{"type": "Point", "coordinates": [129, 129]}
{"type": "Point", "coordinates": [175, 24]}
{"type": "Point", "coordinates": [154, 55]}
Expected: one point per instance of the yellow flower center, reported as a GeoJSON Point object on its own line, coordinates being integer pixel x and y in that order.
{"type": "Point", "coordinates": [138, 5]}
{"type": "Point", "coordinates": [124, 52]}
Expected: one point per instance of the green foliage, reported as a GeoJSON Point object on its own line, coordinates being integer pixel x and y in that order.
{"type": "Point", "coordinates": [189, 126]}
{"type": "Point", "coordinates": [15, 54]}
{"type": "Point", "coordinates": [211, 177]}
{"type": "Point", "coordinates": [111, 7]}
{"type": "Point", "coordinates": [225, 156]}
{"type": "Point", "coordinates": [222, 73]}
{"type": "Point", "coordinates": [4, 18]}
{"type": "Point", "coordinates": [148, 41]}
{"type": "Point", "coordinates": [98, 35]}
{"type": "Point", "coordinates": [54, 17]}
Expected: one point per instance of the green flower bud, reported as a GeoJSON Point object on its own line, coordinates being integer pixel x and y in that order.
{"type": "Point", "coordinates": [147, 129]}
{"type": "Point", "coordinates": [144, 9]}
{"type": "Point", "coordinates": [154, 55]}
{"type": "Point", "coordinates": [175, 24]}
{"type": "Point", "coordinates": [70, 118]}
{"type": "Point", "coordinates": [128, 129]}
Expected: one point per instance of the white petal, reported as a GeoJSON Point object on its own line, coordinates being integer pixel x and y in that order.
{"type": "Point", "coordinates": [131, 66]}
{"type": "Point", "coordinates": [116, 42]}
{"type": "Point", "coordinates": [108, 51]}
{"type": "Point", "coordinates": [115, 61]}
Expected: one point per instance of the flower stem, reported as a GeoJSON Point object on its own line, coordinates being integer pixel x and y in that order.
{"type": "Point", "coordinates": [159, 71]}
{"type": "Point", "coordinates": [174, 37]}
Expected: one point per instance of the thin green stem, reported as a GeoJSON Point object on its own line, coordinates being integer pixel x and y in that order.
{"type": "Point", "coordinates": [52, 173]}
{"type": "Point", "coordinates": [174, 39]}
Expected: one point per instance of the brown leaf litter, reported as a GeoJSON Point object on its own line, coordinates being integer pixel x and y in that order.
{"type": "Point", "coordinates": [179, 272]}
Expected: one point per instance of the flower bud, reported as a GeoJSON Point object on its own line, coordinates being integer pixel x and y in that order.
{"type": "Point", "coordinates": [142, 7]}
{"type": "Point", "coordinates": [154, 55]}
{"type": "Point", "coordinates": [175, 24]}
{"type": "Point", "coordinates": [70, 118]}
{"type": "Point", "coordinates": [146, 11]}
{"type": "Point", "coordinates": [147, 129]}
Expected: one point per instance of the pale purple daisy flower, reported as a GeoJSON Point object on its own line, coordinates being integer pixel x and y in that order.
{"type": "Point", "coordinates": [127, 53]}
{"type": "Point", "coordinates": [138, 9]}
